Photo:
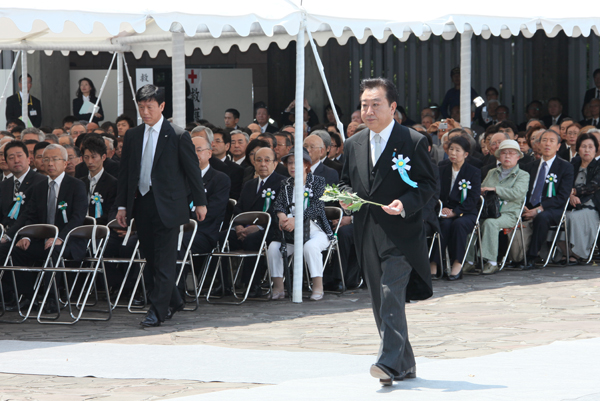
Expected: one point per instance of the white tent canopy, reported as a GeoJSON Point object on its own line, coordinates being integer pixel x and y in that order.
{"type": "Point", "coordinates": [179, 28]}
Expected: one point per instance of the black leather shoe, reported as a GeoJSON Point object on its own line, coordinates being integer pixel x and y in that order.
{"type": "Point", "coordinates": [24, 304]}
{"type": "Point", "coordinates": [454, 277]}
{"type": "Point", "coordinates": [51, 307]}
{"type": "Point", "coordinates": [383, 373]}
{"type": "Point", "coordinates": [218, 292]}
{"type": "Point", "coordinates": [255, 292]}
{"type": "Point", "coordinates": [151, 320]}
{"type": "Point", "coordinates": [138, 302]}
{"type": "Point", "coordinates": [171, 311]}
{"type": "Point", "coordinates": [528, 266]}
{"type": "Point", "coordinates": [408, 374]}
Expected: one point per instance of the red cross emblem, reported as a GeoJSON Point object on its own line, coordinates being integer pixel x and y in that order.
{"type": "Point", "coordinates": [192, 76]}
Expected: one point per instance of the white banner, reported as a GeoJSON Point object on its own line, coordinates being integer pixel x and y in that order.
{"type": "Point", "coordinates": [143, 76]}
{"type": "Point", "coordinates": [193, 77]}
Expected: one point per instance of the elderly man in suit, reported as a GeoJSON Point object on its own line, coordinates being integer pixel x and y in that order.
{"type": "Point", "coordinates": [389, 164]}
{"type": "Point", "coordinates": [101, 186]}
{"type": "Point", "coordinates": [314, 144]}
{"type": "Point", "coordinates": [158, 170]}
{"type": "Point", "coordinates": [59, 200]}
{"type": "Point", "coordinates": [324, 135]}
{"type": "Point", "coordinates": [545, 205]}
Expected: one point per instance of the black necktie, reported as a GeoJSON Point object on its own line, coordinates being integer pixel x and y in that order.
{"type": "Point", "coordinates": [260, 187]}
{"type": "Point", "coordinates": [536, 197]}
{"type": "Point", "coordinates": [17, 186]}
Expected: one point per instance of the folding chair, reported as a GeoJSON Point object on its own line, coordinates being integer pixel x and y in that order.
{"type": "Point", "coordinates": [476, 230]}
{"type": "Point", "coordinates": [247, 218]}
{"type": "Point", "coordinates": [208, 256]}
{"type": "Point", "coordinates": [332, 213]}
{"type": "Point", "coordinates": [561, 226]}
{"type": "Point", "coordinates": [134, 258]}
{"type": "Point", "coordinates": [96, 237]}
{"type": "Point", "coordinates": [436, 237]}
{"type": "Point", "coordinates": [187, 260]}
{"type": "Point", "coordinates": [594, 246]}
{"type": "Point", "coordinates": [34, 231]}
{"type": "Point", "coordinates": [512, 237]}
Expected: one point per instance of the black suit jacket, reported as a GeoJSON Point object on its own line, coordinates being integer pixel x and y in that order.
{"type": "Point", "coordinates": [430, 214]}
{"type": "Point", "coordinates": [7, 195]}
{"type": "Point", "coordinates": [107, 188]}
{"type": "Point", "coordinates": [217, 185]}
{"type": "Point", "coordinates": [73, 192]}
{"type": "Point", "coordinates": [591, 188]}
{"type": "Point", "coordinates": [450, 197]}
{"type": "Point", "coordinates": [235, 172]}
{"type": "Point", "coordinates": [334, 165]}
{"type": "Point", "coordinates": [547, 120]}
{"type": "Point", "coordinates": [110, 166]}
{"type": "Point", "coordinates": [331, 176]}
{"type": "Point", "coordinates": [407, 232]}
{"type": "Point", "coordinates": [590, 121]}
{"type": "Point", "coordinates": [78, 102]}
{"type": "Point", "coordinates": [13, 109]}
{"type": "Point", "coordinates": [589, 95]}
{"type": "Point", "coordinates": [564, 184]}
{"type": "Point", "coordinates": [175, 172]}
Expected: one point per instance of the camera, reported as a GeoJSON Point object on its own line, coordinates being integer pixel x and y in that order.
{"type": "Point", "coordinates": [443, 125]}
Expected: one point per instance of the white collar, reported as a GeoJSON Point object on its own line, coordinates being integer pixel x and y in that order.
{"type": "Point", "coordinates": [224, 158]}
{"type": "Point", "coordinates": [385, 133]}
{"type": "Point", "coordinates": [156, 126]}
{"type": "Point", "coordinates": [58, 180]}
{"type": "Point", "coordinates": [97, 176]}
{"type": "Point", "coordinates": [240, 161]}
{"type": "Point", "coordinates": [22, 178]}
{"type": "Point", "coordinates": [7, 175]}
{"type": "Point", "coordinates": [264, 179]}
{"type": "Point", "coordinates": [205, 170]}
{"type": "Point", "coordinates": [314, 166]}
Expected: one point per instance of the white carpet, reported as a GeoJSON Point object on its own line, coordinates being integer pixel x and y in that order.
{"type": "Point", "coordinates": [567, 370]}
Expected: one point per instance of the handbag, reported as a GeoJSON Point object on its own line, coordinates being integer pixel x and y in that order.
{"type": "Point", "coordinates": [491, 208]}
{"type": "Point", "coordinates": [288, 236]}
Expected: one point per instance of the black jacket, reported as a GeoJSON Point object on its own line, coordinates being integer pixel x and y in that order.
{"type": "Point", "coordinates": [78, 102]}
{"type": "Point", "coordinates": [107, 189]}
{"type": "Point", "coordinates": [564, 183]}
{"type": "Point", "coordinates": [7, 195]}
{"type": "Point", "coordinates": [175, 173]}
{"type": "Point", "coordinates": [337, 166]}
{"type": "Point", "coordinates": [13, 109]}
{"type": "Point", "coordinates": [331, 176]}
{"type": "Point", "coordinates": [591, 189]}
{"type": "Point", "coordinates": [217, 185]}
{"type": "Point", "coordinates": [451, 197]}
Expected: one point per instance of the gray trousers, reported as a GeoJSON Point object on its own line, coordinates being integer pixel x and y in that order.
{"type": "Point", "coordinates": [387, 273]}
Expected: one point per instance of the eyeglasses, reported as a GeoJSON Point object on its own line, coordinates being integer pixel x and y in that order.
{"type": "Point", "coordinates": [70, 158]}
{"type": "Point", "coordinates": [508, 153]}
{"type": "Point", "coordinates": [54, 159]}
{"type": "Point", "coordinates": [261, 160]}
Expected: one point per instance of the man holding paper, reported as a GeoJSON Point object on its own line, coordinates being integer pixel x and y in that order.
{"type": "Point", "coordinates": [388, 164]}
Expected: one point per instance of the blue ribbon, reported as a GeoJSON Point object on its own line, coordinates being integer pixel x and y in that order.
{"type": "Point", "coordinates": [191, 205]}
{"type": "Point", "coordinates": [98, 210]}
{"type": "Point", "coordinates": [14, 212]}
{"type": "Point", "coordinates": [401, 165]}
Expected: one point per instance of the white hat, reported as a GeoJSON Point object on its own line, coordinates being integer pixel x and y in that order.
{"type": "Point", "coordinates": [509, 144]}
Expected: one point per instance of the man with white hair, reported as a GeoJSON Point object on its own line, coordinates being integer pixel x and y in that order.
{"type": "Point", "coordinates": [77, 129]}
{"type": "Point", "coordinates": [314, 144]}
{"type": "Point", "coordinates": [324, 135]}
{"type": "Point", "coordinates": [32, 133]}
{"type": "Point", "coordinates": [239, 141]}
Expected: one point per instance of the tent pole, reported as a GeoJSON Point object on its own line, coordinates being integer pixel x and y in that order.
{"type": "Point", "coordinates": [338, 123]}
{"type": "Point", "coordinates": [120, 84]}
{"type": "Point", "coordinates": [299, 168]}
{"type": "Point", "coordinates": [9, 79]}
{"type": "Point", "coordinates": [24, 89]}
{"type": "Point", "coordinates": [139, 119]}
{"type": "Point", "coordinates": [102, 87]}
{"type": "Point", "coordinates": [465, 77]}
{"type": "Point", "coordinates": [178, 70]}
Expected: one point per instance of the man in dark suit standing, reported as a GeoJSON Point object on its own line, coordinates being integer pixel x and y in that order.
{"type": "Point", "coordinates": [101, 186]}
{"type": "Point", "coordinates": [18, 187]}
{"type": "Point", "coordinates": [595, 113]}
{"type": "Point", "coordinates": [14, 105]}
{"type": "Point", "coordinates": [158, 169]}
{"type": "Point", "coordinates": [545, 205]}
{"type": "Point", "coordinates": [555, 112]}
{"type": "Point", "coordinates": [391, 244]}
{"type": "Point", "coordinates": [592, 93]}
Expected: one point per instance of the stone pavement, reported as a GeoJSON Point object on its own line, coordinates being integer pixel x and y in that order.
{"type": "Point", "coordinates": [479, 315]}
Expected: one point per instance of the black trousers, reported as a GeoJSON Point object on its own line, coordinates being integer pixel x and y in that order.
{"type": "Point", "coordinates": [158, 244]}
{"type": "Point", "coordinates": [387, 273]}
{"type": "Point", "coordinates": [541, 226]}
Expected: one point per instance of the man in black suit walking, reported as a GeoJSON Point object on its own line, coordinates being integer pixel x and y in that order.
{"type": "Point", "coordinates": [389, 164]}
{"type": "Point", "coordinates": [158, 169]}
{"type": "Point", "coordinates": [14, 105]}
{"type": "Point", "coordinates": [101, 186]}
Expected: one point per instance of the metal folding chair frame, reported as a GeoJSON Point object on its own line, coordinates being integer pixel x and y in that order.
{"type": "Point", "coordinates": [512, 237]}
{"type": "Point", "coordinates": [187, 260]}
{"type": "Point", "coordinates": [563, 221]}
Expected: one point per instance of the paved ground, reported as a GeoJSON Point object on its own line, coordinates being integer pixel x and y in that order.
{"type": "Point", "coordinates": [479, 315]}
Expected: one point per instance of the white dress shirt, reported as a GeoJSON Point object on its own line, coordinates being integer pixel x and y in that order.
{"type": "Point", "coordinates": [94, 180]}
{"type": "Point", "coordinates": [262, 180]}
{"type": "Point", "coordinates": [156, 130]}
{"type": "Point", "coordinates": [385, 136]}
{"type": "Point", "coordinates": [58, 181]}
{"type": "Point", "coordinates": [548, 166]}
{"type": "Point", "coordinates": [22, 178]}
{"type": "Point", "coordinates": [240, 161]}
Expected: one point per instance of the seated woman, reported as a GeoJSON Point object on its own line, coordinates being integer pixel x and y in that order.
{"type": "Point", "coordinates": [320, 230]}
{"type": "Point", "coordinates": [510, 184]}
{"type": "Point", "coordinates": [583, 220]}
{"type": "Point", "coordinates": [571, 135]}
{"type": "Point", "coordinates": [460, 185]}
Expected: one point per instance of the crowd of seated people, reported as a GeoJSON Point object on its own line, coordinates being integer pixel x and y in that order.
{"type": "Point", "coordinates": [536, 167]}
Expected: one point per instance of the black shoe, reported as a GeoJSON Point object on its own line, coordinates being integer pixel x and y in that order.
{"type": "Point", "coordinates": [51, 307]}
{"type": "Point", "coordinates": [528, 266]}
{"type": "Point", "coordinates": [151, 320]}
{"type": "Point", "coordinates": [171, 311]}
{"type": "Point", "coordinates": [218, 292]}
{"type": "Point", "coordinates": [255, 292]}
{"type": "Point", "coordinates": [24, 304]}
{"type": "Point", "coordinates": [138, 302]}
{"type": "Point", "coordinates": [407, 374]}
{"type": "Point", "coordinates": [454, 277]}
{"type": "Point", "coordinates": [383, 373]}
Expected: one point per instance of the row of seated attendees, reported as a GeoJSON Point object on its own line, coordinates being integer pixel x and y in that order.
{"type": "Point", "coordinates": [545, 166]}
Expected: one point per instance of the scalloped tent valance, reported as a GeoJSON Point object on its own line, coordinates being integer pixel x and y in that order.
{"type": "Point", "coordinates": [113, 25]}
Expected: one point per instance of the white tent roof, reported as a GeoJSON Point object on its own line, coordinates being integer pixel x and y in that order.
{"type": "Point", "coordinates": [129, 26]}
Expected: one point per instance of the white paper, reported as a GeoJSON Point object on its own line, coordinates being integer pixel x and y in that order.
{"type": "Point", "coordinates": [86, 107]}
